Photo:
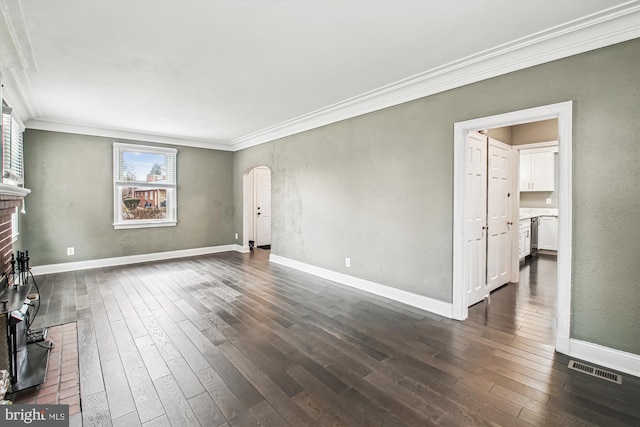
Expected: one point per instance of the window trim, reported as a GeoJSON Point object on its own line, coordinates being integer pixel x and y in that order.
{"type": "Point", "coordinates": [13, 142]}
{"type": "Point", "coordinates": [171, 188]}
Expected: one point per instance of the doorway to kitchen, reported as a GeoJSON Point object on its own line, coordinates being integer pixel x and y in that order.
{"type": "Point", "coordinates": [562, 112]}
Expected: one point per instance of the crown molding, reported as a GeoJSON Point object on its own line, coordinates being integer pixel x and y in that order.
{"type": "Point", "coordinates": [21, 93]}
{"type": "Point", "coordinates": [16, 28]}
{"type": "Point", "coordinates": [119, 134]}
{"type": "Point", "coordinates": [610, 26]}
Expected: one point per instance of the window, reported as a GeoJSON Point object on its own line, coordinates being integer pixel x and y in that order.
{"type": "Point", "coordinates": [137, 172]}
{"type": "Point", "coordinates": [12, 131]}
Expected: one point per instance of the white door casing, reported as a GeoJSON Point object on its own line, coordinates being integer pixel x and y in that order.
{"type": "Point", "coordinates": [563, 111]}
{"type": "Point", "coordinates": [499, 219]}
{"type": "Point", "coordinates": [475, 217]}
{"type": "Point", "coordinates": [262, 205]}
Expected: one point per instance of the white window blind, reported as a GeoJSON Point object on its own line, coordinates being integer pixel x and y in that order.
{"type": "Point", "coordinates": [161, 164]}
{"type": "Point", "coordinates": [12, 162]}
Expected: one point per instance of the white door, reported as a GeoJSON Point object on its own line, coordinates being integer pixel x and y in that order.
{"type": "Point", "coordinates": [475, 235]}
{"type": "Point", "coordinates": [263, 205]}
{"type": "Point", "coordinates": [498, 214]}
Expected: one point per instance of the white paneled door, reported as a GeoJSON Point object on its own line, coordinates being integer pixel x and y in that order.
{"type": "Point", "coordinates": [475, 250]}
{"type": "Point", "coordinates": [498, 215]}
{"type": "Point", "coordinates": [487, 216]}
{"type": "Point", "coordinates": [263, 205]}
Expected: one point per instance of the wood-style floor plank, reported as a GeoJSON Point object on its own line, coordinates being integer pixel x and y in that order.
{"type": "Point", "coordinates": [118, 392]}
{"type": "Point", "coordinates": [144, 394]}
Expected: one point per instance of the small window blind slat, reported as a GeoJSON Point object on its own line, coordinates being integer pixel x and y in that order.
{"type": "Point", "coordinates": [160, 166]}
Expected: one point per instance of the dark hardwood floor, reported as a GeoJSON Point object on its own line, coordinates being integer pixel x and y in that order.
{"type": "Point", "coordinates": [230, 340]}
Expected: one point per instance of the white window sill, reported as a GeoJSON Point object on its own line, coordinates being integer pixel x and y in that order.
{"type": "Point", "coordinates": [13, 190]}
{"type": "Point", "coordinates": [144, 224]}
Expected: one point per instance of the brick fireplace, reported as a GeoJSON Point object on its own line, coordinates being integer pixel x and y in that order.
{"type": "Point", "coordinates": [9, 201]}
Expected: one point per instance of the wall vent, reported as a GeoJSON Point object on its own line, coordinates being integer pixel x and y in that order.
{"type": "Point", "coordinates": [599, 373]}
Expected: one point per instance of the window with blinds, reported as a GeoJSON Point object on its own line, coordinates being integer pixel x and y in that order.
{"type": "Point", "coordinates": [144, 179]}
{"type": "Point", "coordinates": [12, 166]}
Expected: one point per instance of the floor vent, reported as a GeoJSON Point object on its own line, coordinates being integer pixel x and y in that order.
{"type": "Point", "coordinates": [609, 376]}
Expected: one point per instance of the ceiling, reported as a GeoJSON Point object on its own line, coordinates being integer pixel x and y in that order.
{"type": "Point", "coordinates": [230, 74]}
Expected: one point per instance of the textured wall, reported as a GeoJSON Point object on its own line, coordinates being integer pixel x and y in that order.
{"type": "Point", "coordinates": [379, 188]}
{"type": "Point", "coordinates": [71, 203]}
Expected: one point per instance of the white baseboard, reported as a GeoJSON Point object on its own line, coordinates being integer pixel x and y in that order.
{"type": "Point", "coordinates": [131, 259]}
{"type": "Point", "coordinates": [419, 301]}
{"type": "Point", "coordinates": [621, 361]}
{"type": "Point", "coordinates": [617, 360]}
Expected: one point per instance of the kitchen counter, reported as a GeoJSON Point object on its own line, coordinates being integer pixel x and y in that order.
{"type": "Point", "coordinates": [527, 213]}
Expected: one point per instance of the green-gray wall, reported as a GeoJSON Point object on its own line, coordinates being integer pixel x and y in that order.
{"type": "Point", "coordinates": [71, 202]}
{"type": "Point", "coordinates": [379, 188]}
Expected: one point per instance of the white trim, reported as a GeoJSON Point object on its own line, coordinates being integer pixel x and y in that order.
{"type": "Point", "coordinates": [607, 27]}
{"type": "Point", "coordinates": [124, 135]}
{"type": "Point", "coordinates": [12, 190]}
{"type": "Point", "coordinates": [618, 360]}
{"type": "Point", "coordinates": [151, 149]}
{"type": "Point", "coordinates": [144, 224]}
{"type": "Point", "coordinates": [170, 186]}
{"type": "Point", "coordinates": [614, 25]}
{"type": "Point", "coordinates": [16, 26]}
{"type": "Point", "coordinates": [131, 259]}
{"type": "Point", "coordinates": [563, 112]}
{"type": "Point", "coordinates": [425, 303]}
{"type": "Point", "coordinates": [536, 145]}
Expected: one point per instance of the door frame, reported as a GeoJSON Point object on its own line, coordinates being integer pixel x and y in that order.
{"type": "Point", "coordinates": [248, 205]}
{"type": "Point", "coordinates": [562, 111]}
{"type": "Point", "coordinates": [255, 203]}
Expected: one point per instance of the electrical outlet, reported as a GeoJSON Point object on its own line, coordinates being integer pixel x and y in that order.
{"type": "Point", "coordinates": [236, 236]}
{"type": "Point", "coordinates": [548, 200]}
{"type": "Point", "coordinates": [347, 262]}
{"type": "Point", "coordinates": [71, 251]}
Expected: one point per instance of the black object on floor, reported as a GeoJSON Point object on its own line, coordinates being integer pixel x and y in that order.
{"type": "Point", "coordinates": [32, 370]}
{"type": "Point", "coordinates": [265, 247]}
{"type": "Point", "coordinates": [37, 335]}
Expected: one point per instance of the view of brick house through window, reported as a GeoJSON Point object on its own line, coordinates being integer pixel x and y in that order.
{"type": "Point", "coordinates": [145, 186]}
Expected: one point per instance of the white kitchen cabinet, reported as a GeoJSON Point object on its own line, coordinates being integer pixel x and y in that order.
{"type": "Point", "coordinates": [524, 238]}
{"type": "Point", "coordinates": [548, 233]}
{"type": "Point", "coordinates": [537, 170]}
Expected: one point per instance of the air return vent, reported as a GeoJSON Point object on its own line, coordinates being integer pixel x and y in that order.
{"type": "Point", "coordinates": [608, 376]}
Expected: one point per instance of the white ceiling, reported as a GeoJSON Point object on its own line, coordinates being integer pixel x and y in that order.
{"type": "Point", "coordinates": [217, 73]}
